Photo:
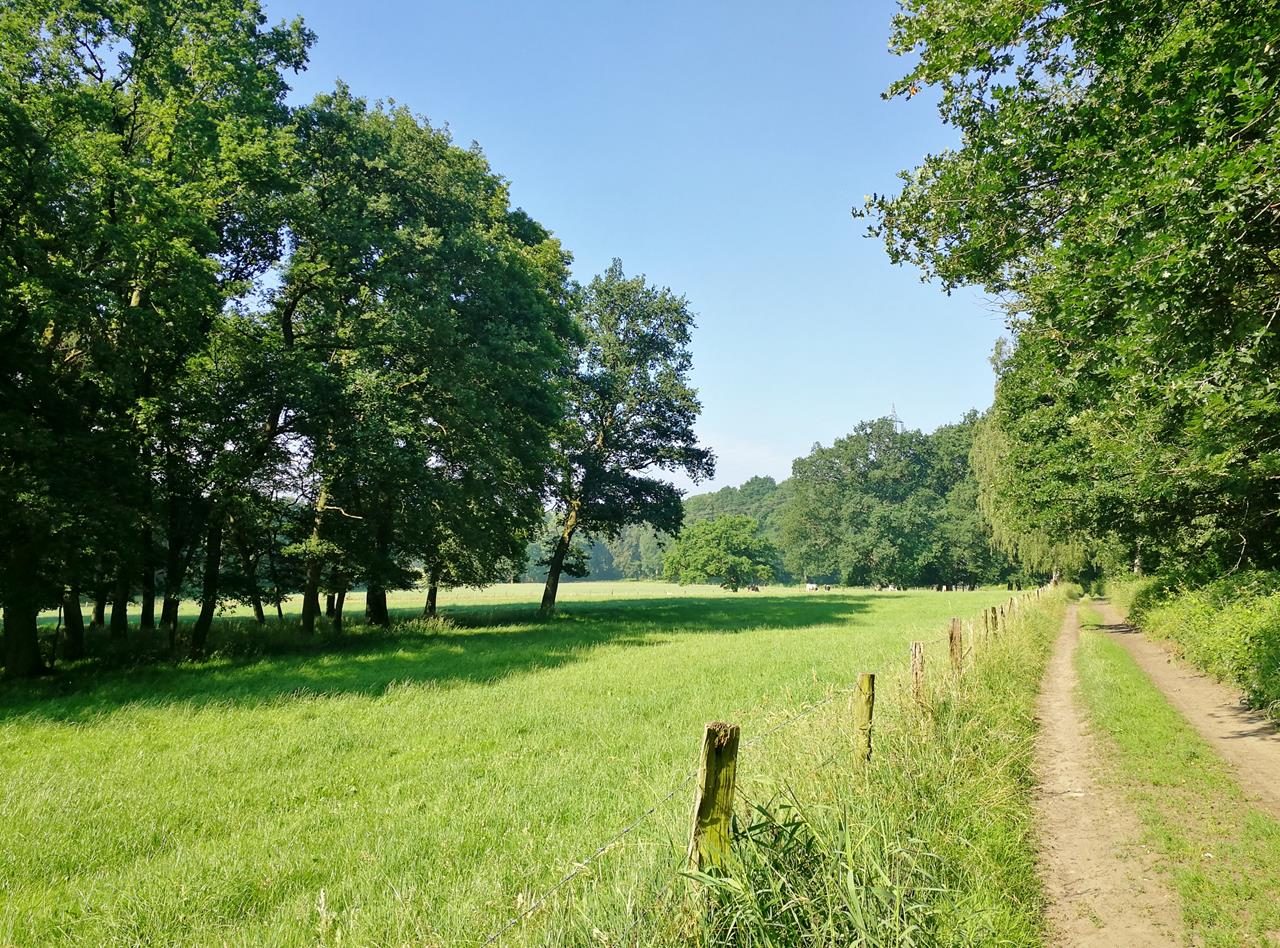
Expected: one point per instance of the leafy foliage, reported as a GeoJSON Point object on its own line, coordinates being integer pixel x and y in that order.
{"type": "Point", "coordinates": [1116, 182]}
{"type": "Point", "coordinates": [727, 550]}
{"type": "Point", "coordinates": [631, 411]}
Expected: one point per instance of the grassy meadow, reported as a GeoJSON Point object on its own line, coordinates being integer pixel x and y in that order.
{"type": "Point", "coordinates": [418, 785]}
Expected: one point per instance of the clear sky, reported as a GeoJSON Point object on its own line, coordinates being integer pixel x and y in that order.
{"type": "Point", "coordinates": [716, 147]}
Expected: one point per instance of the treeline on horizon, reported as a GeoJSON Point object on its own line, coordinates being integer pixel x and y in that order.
{"type": "Point", "coordinates": [882, 505]}
{"type": "Point", "coordinates": [250, 349]}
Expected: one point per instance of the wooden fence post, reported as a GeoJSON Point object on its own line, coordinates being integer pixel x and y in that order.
{"type": "Point", "coordinates": [995, 622]}
{"type": "Point", "coordinates": [986, 624]}
{"type": "Point", "coordinates": [866, 707]}
{"type": "Point", "coordinates": [713, 797]}
{"type": "Point", "coordinates": [956, 642]}
{"type": "Point", "coordinates": [917, 671]}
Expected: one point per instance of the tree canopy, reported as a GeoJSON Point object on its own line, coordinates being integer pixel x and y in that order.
{"type": "Point", "coordinates": [1116, 184]}
{"type": "Point", "coordinates": [728, 550]}
{"type": "Point", "coordinates": [631, 411]}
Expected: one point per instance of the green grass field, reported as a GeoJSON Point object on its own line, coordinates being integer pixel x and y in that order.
{"type": "Point", "coordinates": [1221, 853]}
{"type": "Point", "coordinates": [413, 786]}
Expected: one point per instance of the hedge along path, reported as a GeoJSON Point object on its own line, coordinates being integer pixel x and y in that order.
{"type": "Point", "coordinates": [1247, 740]}
{"type": "Point", "coordinates": [1101, 886]}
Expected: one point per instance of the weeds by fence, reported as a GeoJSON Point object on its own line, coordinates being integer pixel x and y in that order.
{"type": "Point", "coordinates": [711, 830]}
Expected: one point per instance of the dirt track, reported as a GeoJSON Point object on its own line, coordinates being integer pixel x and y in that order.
{"type": "Point", "coordinates": [1245, 739]}
{"type": "Point", "coordinates": [1101, 888]}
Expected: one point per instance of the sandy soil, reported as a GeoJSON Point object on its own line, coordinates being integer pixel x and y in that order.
{"type": "Point", "coordinates": [1245, 739]}
{"type": "Point", "coordinates": [1099, 879]}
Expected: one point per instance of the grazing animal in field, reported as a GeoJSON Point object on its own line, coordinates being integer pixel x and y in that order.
{"type": "Point", "coordinates": [811, 587]}
{"type": "Point", "coordinates": [827, 587]}
{"type": "Point", "coordinates": [753, 588]}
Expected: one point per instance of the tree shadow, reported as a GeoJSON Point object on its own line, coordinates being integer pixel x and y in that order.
{"type": "Point", "coordinates": [476, 645]}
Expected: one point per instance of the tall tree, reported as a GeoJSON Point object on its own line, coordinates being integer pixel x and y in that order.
{"type": "Point", "coordinates": [137, 155]}
{"type": "Point", "coordinates": [631, 411]}
{"type": "Point", "coordinates": [1116, 183]}
{"type": "Point", "coordinates": [728, 550]}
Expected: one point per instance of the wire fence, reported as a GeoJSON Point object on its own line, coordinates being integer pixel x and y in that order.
{"type": "Point", "coordinates": [581, 866]}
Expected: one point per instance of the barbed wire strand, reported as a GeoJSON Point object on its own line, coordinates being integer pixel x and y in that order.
{"type": "Point", "coordinates": [582, 865]}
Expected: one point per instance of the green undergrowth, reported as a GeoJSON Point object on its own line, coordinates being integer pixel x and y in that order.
{"type": "Point", "coordinates": [1221, 853]}
{"type": "Point", "coordinates": [928, 844]}
{"type": "Point", "coordinates": [1230, 628]}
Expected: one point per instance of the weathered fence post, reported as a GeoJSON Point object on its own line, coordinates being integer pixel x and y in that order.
{"type": "Point", "coordinates": [917, 672]}
{"type": "Point", "coordinates": [713, 797]}
{"type": "Point", "coordinates": [956, 642]}
{"type": "Point", "coordinates": [995, 622]}
{"type": "Point", "coordinates": [866, 706]}
{"type": "Point", "coordinates": [986, 624]}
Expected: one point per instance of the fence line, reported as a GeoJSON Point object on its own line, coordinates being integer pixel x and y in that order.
{"type": "Point", "coordinates": [581, 866]}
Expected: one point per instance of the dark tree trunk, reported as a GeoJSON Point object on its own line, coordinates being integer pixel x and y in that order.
{"type": "Point", "coordinates": [311, 599]}
{"type": "Point", "coordinates": [330, 605]}
{"type": "Point", "coordinates": [120, 606]}
{"type": "Point", "coordinates": [175, 569]}
{"type": "Point", "coordinates": [249, 563]}
{"type": "Point", "coordinates": [169, 614]}
{"type": "Point", "coordinates": [275, 577]}
{"type": "Point", "coordinates": [147, 617]}
{"type": "Point", "coordinates": [99, 608]}
{"type": "Point", "coordinates": [22, 657]}
{"type": "Point", "coordinates": [73, 621]}
{"type": "Point", "coordinates": [556, 565]}
{"type": "Point", "coordinates": [311, 588]}
{"type": "Point", "coordinates": [338, 602]}
{"type": "Point", "coordinates": [430, 609]}
{"type": "Point", "coordinates": [209, 586]}
{"type": "Point", "coordinates": [376, 606]}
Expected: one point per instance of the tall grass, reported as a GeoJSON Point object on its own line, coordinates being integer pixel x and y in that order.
{"type": "Point", "coordinates": [1230, 628]}
{"type": "Point", "coordinates": [928, 844]}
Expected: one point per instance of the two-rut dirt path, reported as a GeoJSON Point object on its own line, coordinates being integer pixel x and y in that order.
{"type": "Point", "coordinates": [1099, 879]}
{"type": "Point", "coordinates": [1247, 740]}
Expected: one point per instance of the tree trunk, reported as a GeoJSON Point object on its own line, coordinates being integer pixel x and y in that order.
{"type": "Point", "coordinates": [249, 564]}
{"type": "Point", "coordinates": [330, 606]}
{"type": "Point", "coordinates": [120, 605]}
{"type": "Point", "coordinates": [73, 620]}
{"type": "Point", "coordinates": [557, 562]}
{"type": "Point", "coordinates": [311, 590]}
{"type": "Point", "coordinates": [432, 591]}
{"type": "Point", "coordinates": [99, 608]}
{"type": "Point", "coordinates": [376, 606]}
{"type": "Point", "coordinates": [147, 617]}
{"type": "Point", "coordinates": [22, 657]}
{"type": "Point", "coordinates": [209, 587]}
{"type": "Point", "coordinates": [311, 599]}
{"type": "Point", "coordinates": [339, 601]}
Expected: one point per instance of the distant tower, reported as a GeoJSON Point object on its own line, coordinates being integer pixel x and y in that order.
{"type": "Point", "coordinates": [893, 415]}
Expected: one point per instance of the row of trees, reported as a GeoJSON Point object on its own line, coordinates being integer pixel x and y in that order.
{"type": "Point", "coordinates": [1118, 186]}
{"type": "Point", "coordinates": [249, 350]}
{"type": "Point", "coordinates": [882, 505]}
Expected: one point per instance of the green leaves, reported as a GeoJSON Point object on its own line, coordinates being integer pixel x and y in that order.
{"type": "Point", "coordinates": [727, 550]}
{"type": "Point", "coordinates": [1115, 183]}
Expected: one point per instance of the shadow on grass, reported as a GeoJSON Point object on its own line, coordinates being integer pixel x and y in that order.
{"type": "Point", "coordinates": [252, 665]}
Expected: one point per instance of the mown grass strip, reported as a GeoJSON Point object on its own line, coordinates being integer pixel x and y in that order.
{"type": "Point", "coordinates": [1221, 853]}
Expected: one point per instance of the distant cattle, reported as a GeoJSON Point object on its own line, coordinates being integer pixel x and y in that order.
{"type": "Point", "coordinates": [753, 588]}
{"type": "Point", "coordinates": [811, 587]}
{"type": "Point", "coordinates": [827, 587]}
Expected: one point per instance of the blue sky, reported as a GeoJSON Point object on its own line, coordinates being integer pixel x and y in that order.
{"type": "Point", "coordinates": [716, 147]}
